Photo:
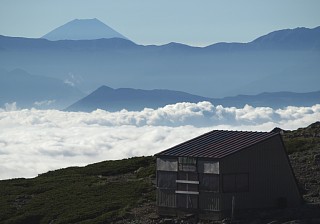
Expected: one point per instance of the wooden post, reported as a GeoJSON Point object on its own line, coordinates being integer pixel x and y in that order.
{"type": "Point", "coordinates": [233, 203]}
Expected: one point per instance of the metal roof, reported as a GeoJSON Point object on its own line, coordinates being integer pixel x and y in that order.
{"type": "Point", "coordinates": [217, 144]}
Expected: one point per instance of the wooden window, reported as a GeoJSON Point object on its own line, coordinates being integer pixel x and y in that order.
{"type": "Point", "coordinates": [208, 166]}
{"type": "Point", "coordinates": [242, 182]}
{"type": "Point", "coordinates": [167, 164]}
{"type": "Point", "coordinates": [209, 182]}
{"type": "Point", "coordinates": [235, 182]}
{"type": "Point", "coordinates": [166, 179]}
{"type": "Point", "coordinates": [187, 164]}
{"type": "Point", "coordinates": [187, 176]}
{"type": "Point", "coordinates": [228, 183]}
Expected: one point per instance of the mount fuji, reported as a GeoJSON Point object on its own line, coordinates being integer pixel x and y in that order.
{"type": "Point", "coordinates": [83, 29]}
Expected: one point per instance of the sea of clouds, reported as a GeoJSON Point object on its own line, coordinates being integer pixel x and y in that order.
{"type": "Point", "coordinates": [35, 141]}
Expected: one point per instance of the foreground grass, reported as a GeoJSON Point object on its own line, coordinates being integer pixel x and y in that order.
{"type": "Point", "coordinates": [303, 139]}
{"type": "Point", "coordinates": [98, 193]}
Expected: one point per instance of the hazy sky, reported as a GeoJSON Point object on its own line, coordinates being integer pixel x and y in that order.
{"type": "Point", "coordinates": [157, 22]}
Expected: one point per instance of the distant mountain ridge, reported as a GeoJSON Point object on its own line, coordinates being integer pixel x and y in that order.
{"type": "Point", "coordinates": [290, 37]}
{"type": "Point", "coordinates": [285, 60]}
{"type": "Point", "coordinates": [110, 99]}
{"type": "Point", "coordinates": [83, 29]}
{"type": "Point", "coordinates": [132, 99]}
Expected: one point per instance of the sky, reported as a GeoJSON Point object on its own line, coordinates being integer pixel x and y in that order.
{"type": "Point", "coordinates": [197, 23]}
{"type": "Point", "coordinates": [36, 141]}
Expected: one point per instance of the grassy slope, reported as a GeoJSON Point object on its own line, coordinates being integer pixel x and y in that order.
{"type": "Point", "coordinates": [97, 193]}
{"type": "Point", "coordinates": [303, 146]}
{"type": "Point", "coordinates": [109, 191]}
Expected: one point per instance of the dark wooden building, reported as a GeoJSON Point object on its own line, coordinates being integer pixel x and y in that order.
{"type": "Point", "coordinates": [205, 174]}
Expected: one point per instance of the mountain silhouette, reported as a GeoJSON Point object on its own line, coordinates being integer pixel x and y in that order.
{"type": "Point", "coordinates": [110, 99]}
{"type": "Point", "coordinates": [131, 99]}
{"type": "Point", "coordinates": [83, 29]}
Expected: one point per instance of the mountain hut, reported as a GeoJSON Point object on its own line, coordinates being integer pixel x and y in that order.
{"type": "Point", "coordinates": [223, 171]}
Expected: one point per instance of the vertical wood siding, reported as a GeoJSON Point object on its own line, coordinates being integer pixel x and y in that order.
{"type": "Point", "coordinates": [209, 201]}
{"type": "Point", "coordinates": [270, 176]}
{"type": "Point", "coordinates": [166, 198]}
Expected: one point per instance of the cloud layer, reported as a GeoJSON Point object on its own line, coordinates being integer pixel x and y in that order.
{"type": "Point", "coordinates": [35, 141]}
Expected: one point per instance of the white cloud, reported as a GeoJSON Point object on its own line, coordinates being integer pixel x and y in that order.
{"type": "Point", "coordinates": [35, 141]}
{"type": "Point", "coordinates": [44, 103]}
{"type": "Point", "coordinates": [10, 106]}
{"type": "Point", "coordinates": [73, 80]}
{"type": "Point", "coordinates": [68, 82]}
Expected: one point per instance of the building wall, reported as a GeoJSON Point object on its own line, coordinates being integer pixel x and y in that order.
{"type": "Point", "coordinates": [167, 171]}
{"type": "Point", "coordinates": [270, 178]}
{"type": "Point", "coordinates": [188, 186]}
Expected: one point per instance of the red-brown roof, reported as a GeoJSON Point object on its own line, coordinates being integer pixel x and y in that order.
{"type": "Point", "coordinates": [217, 144]}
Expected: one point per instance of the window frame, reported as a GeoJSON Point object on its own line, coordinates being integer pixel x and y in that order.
{"type": "Point", "coordinates": [172, 185]}
{"type": "Point", "coordinates": [187, 164]}
{"type": "Point", "coordinates": [202, 187]}
{"type": "Point", "coordinates": [235, 188]}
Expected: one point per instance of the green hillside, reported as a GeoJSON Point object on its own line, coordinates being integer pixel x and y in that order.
{"type": "Point", "coordinates": [123, 191]}
{"type": "Point", "coordinates": [303, 146]}
{"type": "Point", "coordinates": [98, 193]}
